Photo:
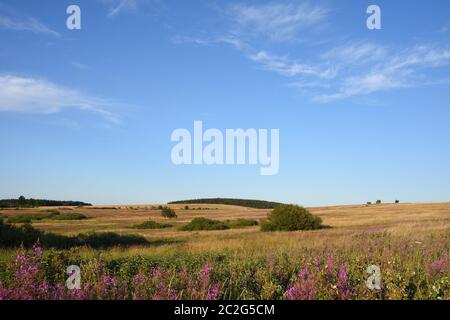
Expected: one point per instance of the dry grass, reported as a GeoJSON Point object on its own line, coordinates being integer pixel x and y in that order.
{"type": "Point", "coordinates": [413, 221]}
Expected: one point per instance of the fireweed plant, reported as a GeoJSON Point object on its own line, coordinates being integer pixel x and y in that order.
{"type": "Point", "coordinates": [409, 271]}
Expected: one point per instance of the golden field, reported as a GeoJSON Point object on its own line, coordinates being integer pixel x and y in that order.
{"type": "Point", "coordinates": [414, 221]}
{"type": "Point", "coordinates": [410, 243]}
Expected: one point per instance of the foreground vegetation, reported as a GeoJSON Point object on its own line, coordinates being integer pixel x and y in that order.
{"type": "Point", "coordinates": [408, 271]}
{"type": "Point", "coordinates": [410, 244]}
{"type": "Point", "coordinates": [13, 236]}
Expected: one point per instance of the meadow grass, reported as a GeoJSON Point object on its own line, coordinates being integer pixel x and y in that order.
{"type": "Point", "coordinates": [410, 243]}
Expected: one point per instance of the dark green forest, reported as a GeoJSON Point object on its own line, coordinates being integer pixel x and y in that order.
{"type": "Point", "coordinates": [257, 204]}
{"type": "Point", "coordinates": [23, 202]}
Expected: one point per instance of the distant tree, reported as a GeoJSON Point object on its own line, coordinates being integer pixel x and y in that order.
{"type": "Point", "coordinates": [167, 212]}
{"type": "Point", "coordinates": [22, 201]}
{"type": "Point", "coordinates": [369, 203]}
{"type": "Point", "coordinates": [378, 201]}
{"type": "Point", "coordinates": [397, 201]}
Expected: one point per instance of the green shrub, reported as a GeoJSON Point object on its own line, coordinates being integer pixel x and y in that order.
{"type": "Point", "coordinates": [167, 212]}
{"type": "Point", "coordinates": [204, 224]}
{"type": "Point", "coordinates": [266, 226]}
{"type": "Point", "coordinates": [291, 218]}
{"type": "Point", "coordinates": [151, 225]}
{"type": "Point", "coordinates": [51, 211]}
{"type": "Point", "coordinates": [241, 223]}
{"type": "Point", "coordinates": [28, 218]}
{"type": "Point", "coordinates": [69, 216]}
{"type": "Point", "coordinates": [48, 214]}
{"type": "Point", "coordinates": [19, 219]}
{"type": "Point", "coordinates": [14, 236]}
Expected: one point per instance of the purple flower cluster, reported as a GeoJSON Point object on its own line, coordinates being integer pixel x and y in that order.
{"type": "Point", "coordinates": [308, 281]}
{"type": "Point", "coordinates": [437, 266]}
{"type": "Point", "coordinates": [304, 287]}
{"type": "Point", "coordinates": [29, 283]}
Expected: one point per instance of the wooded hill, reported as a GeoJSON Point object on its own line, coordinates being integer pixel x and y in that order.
{"type": "Point", "coordinates": [22, 202]}
{"type": "Point", "coordinates": [258, 204]}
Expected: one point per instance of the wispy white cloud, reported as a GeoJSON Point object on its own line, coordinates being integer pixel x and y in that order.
{"type": "Point", "coordinates": [349, 69]}
{"type": "Point", "coordinates": [403, 69]}
{"type": "Point", "coordinates": [277, 21]}
{"type": "Point", "coordinates": [445, 28]}
{"type": "Point", "coordinates": [35, 95]}
{"type": "Point", "coordinates": [117, 7]}
{"type": "Point", "coordinates": [230, 40]}
{"type": "Point", "coordinates": [355, 53]}
{"type": "Point", "coordinates": [12, 20]}
{"type": "Point", "coordinates": [192, 40]}
{"type": "Point", "coordinates": [79, 65]}
{"type": "Point", "coordinates": [287, 67]}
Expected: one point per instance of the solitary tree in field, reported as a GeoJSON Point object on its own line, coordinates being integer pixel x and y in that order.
{"type": "Point", "coordinates": [291, 218]}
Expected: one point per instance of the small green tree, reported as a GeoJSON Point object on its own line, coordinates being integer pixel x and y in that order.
{"type": "Point", "coordinates": [22, 201]}
{"type": "Point", "coordinates": [167, 212]}
{"type": "Point", "coordinates": [291, 218]}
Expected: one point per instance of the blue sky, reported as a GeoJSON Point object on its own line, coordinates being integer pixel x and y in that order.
{"type": "Point", "coordinates": [87, 114]}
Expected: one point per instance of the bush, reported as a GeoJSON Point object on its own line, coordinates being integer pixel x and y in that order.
{"type": "Point", "coordinates": [241, 223]}
{"type": "Point", "coordinates": [167, 212]}
{"type": "Point", "coordinates": [204, 224]}
{"type": "Point", "coordinates": [291, 218]}
{"type": "Point", "coordinates": [397, 201]}
{"type": "Point", "coordinates": [69, 216]}
{"type": "Point", "coordinates": [151, 225]}
{"type": "Point", "coordinates": [14, 236]}
{"type": "Point", "coordinates": [267, 226]}
{"type": "Point", "coordinates": [19, 219]}
{"type": "Point", "coordinates": [28, 218]}
{"type": "Point", "coordinates": [49, 214]}
{"type": "Point", "coordinates": [378, 201]}
{"type": "Point", "coordinates": [186, 207]}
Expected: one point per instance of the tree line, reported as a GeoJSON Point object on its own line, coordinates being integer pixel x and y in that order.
{"type": "Point", "coordinates": [257, 204]}
{"type": "Point", "coordinates": [23, 202]}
